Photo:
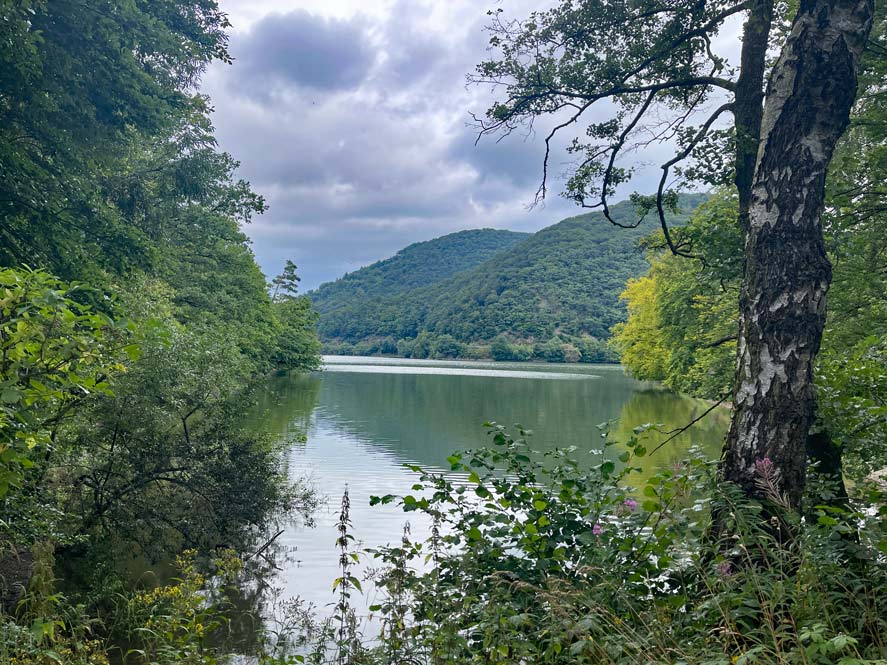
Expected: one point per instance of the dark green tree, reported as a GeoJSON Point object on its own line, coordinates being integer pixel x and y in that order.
{"type": "Point", "coordinates": [286, 284]}
{"type": "Point", "coordinates": [80, 82]}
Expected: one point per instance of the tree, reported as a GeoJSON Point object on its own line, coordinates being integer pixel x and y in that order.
{"type": "Point", "coordinates": [654, 62]}
{"type": "Point", "coordinates": [639, 339]}
{"type": "Point", "coordinates": [681, 326]}
{"type": "Point", "coordinates": [286, 284]}
{"type": "Point", "coordinates": [297, 346]}
{"type": "Point", "coordinates": [80, 82]}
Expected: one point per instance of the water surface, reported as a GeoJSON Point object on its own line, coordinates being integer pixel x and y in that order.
{"type": "Point", "coordinates": [364, 418]}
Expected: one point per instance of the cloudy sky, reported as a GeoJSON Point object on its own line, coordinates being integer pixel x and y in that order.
{"type": "Point", "coordinates": [352, 118]}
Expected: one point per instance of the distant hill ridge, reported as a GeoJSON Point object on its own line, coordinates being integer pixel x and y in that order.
{"type": "Point", "coordinates": [417, 265]}
{"type": "Point", "coordinates": [551, 295]}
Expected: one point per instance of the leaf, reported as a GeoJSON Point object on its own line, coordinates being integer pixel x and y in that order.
{"type": "Point", "coordinates": [11, 395]}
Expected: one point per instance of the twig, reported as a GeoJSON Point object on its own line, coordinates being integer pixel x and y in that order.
{"type": "Point", "coordinates": [264, 547]}
{"type": "Point", "coordinates": [677, 432]}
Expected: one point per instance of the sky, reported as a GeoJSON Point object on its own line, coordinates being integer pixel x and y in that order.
{"type": "Point", "coordinates": [352, 118]}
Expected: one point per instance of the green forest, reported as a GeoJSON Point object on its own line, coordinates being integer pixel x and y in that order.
{"type": "Point", "coordinates": [134, 319]}
{"type": "Point", "coordinates": [550, 296]}
{"type": "Point", "coordinates": [139, 338]}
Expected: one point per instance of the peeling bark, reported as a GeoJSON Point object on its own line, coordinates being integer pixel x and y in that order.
{"type": "Point", "coordinates": [782, 307]}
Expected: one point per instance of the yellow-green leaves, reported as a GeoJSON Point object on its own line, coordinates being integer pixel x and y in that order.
{"type": "Point", "coordinates": [53, 352]}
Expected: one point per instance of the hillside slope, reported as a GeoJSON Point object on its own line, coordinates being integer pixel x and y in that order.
{"type": "Point", "coordinates": [356, 295]}
{"type": "Point", "coordinates": [562, 284]}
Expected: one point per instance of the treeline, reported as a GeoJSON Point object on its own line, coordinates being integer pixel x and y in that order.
{"type": "Point", "coordinates": [556, 289]}
{"type": "Point", "coordinates": [134, 318]}
{"type": "Point", "coordinates": [560, 349]}
{"type": "Point", "coordinates": [415, 266]}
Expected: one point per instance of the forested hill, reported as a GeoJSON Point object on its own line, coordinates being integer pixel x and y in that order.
{"type": "Point", "coordinates": [549, 295]}
{"type": "Point", "coordinates": [415, 266]}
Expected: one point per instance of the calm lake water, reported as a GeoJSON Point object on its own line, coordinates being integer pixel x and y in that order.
{"type": "Point", "coordinates": [364, 418]}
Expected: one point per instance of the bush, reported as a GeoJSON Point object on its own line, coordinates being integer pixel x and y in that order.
{"type": "Point", "coordinates": [539, 560]}
{"type": "Point", "coordinates": [552, 351]}
{"type": "Point", "coordinates": [504, 351]}
{"type": "Point", "coordinates": [446, 346]}
{"type": "Point", "coordinates": [593, 350]}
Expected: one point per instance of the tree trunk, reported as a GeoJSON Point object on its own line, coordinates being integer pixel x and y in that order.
{"type": "Point", "coordinates": [787, 273]}
{"type": "Point", "coordinates": [749, 96]}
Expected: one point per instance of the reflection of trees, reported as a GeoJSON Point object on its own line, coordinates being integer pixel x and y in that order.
{"type": "Point", "coordinates": [423, 418]}
{"type": "Point", "coordinates": [672, 411]}
{"type": "Point", "coordinates": [284, 404]}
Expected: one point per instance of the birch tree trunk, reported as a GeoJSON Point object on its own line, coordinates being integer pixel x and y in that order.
{"type": "Point", "coordinates": [787, 273]}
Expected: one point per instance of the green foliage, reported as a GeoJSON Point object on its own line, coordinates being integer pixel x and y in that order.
{"type": "Point", "coordinates": [682, 313]}
{"type": "Point", "coordinates": [502, 350]}
{"type": "Point", "coordinates": [55, 353]}
{"type": "Point", "coordinates": [115, 435]}
{"type": "Point", "coordinates": [296, 346]}
{"type": "Point", "coordinates": [47, 627]}
{"type": "Point", "coordinates": [558, 285]}
{"type": "Point", "coordinates": [852, 400]}
{"type": "Point", "coordinates": [343, 303]}
{"type": "Point", "coordinates": [113, 175]}
{"type": "Point", "coordinates": [539, 559]}
{"type": "Point", "coordinates": [79, 83]}
{"type": "Point", "coordinates": [166, 459]}
{"type": "Point", "coordinates": [681, 324]}
{"type": "Point", "coordinates": [446, 346]}
{"type": "Point", "coordinates": [286, 284]}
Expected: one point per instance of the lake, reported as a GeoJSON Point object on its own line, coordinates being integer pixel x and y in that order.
{"type": "Point", "coordinates": [357, 423]}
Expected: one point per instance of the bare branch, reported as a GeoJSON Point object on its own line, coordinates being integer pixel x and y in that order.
{"type": "Point", "coordinates": [541, 192]}
{"type": "Point", "coordinates": [608, 174]}
{"type": "Point", "coordinates": [718, 342]}
{"type": "Point", "coordinates": [677, 432]}
{"type": "Point", "coordinates": [660, 208]}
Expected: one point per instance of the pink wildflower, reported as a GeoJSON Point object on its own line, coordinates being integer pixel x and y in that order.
{"type": "Point", "coordinates": [724, 569]}
{"type": "Point", "coordinates": [764, 467]}
{"type": "Point", "coordinates": [631, 504]}
{"type": "Point", "coordinates": [597, 529]}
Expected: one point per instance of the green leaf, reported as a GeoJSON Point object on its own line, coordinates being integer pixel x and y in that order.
{"type": "Point", "coordinates": [11, 395]}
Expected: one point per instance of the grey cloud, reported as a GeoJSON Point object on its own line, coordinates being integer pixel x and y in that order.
{"type": "Point", "coordinates": [355, 132]}
{"type": "Point", "coordinates": [303, 50]}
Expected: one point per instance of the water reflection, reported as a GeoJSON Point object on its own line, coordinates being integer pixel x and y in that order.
{"type": "Point", "coordinates": [364, 423]}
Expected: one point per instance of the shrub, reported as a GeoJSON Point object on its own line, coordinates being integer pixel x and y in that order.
{"type": "Point", "coordinates": [539, 560]}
